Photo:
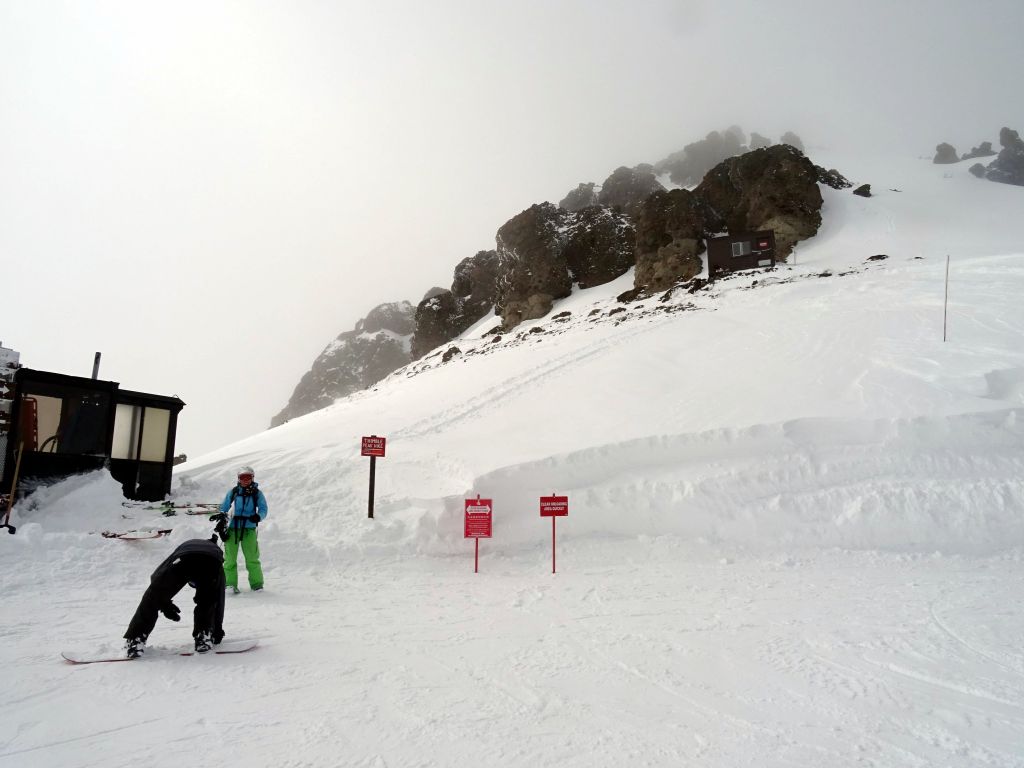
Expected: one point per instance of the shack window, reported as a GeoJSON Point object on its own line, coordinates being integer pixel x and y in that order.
{"type": "Point", "coordinates": [127, 421]}
{"type": "Point", "coordinates": [152, 423]}
{"type": "Point", "coordinates": [741, 248]}
{"type": "Point", "coordinates": [154, 434]}
{"type": "Point", "coordinates": [74, 423]}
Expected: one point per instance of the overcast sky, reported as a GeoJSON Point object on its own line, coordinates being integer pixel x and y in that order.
{"type": "Point", "coordinates": [209, 192]}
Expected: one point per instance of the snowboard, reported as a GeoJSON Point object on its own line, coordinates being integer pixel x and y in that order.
{"type": "Point", "coordinates": [235, 646]}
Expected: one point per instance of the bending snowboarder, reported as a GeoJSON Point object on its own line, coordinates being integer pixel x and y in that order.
{"type": "Point", "coordinates": [200, 564]}
{"type": "Point", "coordinates": [250, 509]}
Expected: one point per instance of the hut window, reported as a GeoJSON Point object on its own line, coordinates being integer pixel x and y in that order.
{"type": "Point", "coordinates": [741, 248]}
{"type": "Point", "coordinates": [74, 423]}
{"type": "Point", "coordinates": [127, 422]}
{"type": "Point", "coordinates": [153, 423]}
{"type": "Point", "coordinates": [154, 434]}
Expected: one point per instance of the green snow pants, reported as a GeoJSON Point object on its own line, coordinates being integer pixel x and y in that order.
{"type": "Point", "coordinates": [250, 550]}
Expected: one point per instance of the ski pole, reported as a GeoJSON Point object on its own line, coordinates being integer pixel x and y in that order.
{"type": "Point", "coordinates": [14, 492]}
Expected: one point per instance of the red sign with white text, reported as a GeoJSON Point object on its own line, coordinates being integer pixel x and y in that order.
{"type": "Point", "coordinates": [554, 506]}
{"type": "Point", "coordinates": [479, 519]}
{"type": "Point", "coordinates": [374, 446]}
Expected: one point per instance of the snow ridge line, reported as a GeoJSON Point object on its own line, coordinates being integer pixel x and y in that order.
{"type": "Point", "coordinates": [808, 483]}
{"type": "Point", "coordinates": [466, 408]}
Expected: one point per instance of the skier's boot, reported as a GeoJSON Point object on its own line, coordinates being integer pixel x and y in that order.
{"type": "Point", "coordinates": [135, 647]}
{"type": "Point", "coordinates": [204, 642]}
{"type": "Point", "coordinates": [235, 590]}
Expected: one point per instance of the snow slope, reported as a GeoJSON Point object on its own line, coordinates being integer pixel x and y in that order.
{"type": "Point", "coordinates": [795, 534]}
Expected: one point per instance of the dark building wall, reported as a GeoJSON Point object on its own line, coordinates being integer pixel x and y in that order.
{"type": "Point", "coordinates": [69, 424]}
{"type": "Point", "coordinates": [751, 250]}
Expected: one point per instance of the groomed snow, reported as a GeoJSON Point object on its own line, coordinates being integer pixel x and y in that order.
{"type": "Point", "coordinates": [795, 535]}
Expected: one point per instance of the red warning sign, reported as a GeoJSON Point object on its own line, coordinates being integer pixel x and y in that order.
{"type": "Point", "coordinates": [374, 446]}
{"type": "Point", "coordinates": [479, 519]}
{"type": "Point", "coordinates": [554, 506]}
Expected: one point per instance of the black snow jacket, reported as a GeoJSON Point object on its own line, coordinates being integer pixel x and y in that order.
{"type": "Point", "coordinates": [199, 562]}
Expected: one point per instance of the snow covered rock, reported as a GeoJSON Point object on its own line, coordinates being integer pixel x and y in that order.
{"type": "Point", "coordinates": [355, 360]}
{"type": "Point", "coordinates": [774, 188]}
{"type": "Point", "coordinates": [669, 232]}
{"type": "Point", "coordinates": [1008, 168]}
{"type": "Point", "coordinates": [532, 271]}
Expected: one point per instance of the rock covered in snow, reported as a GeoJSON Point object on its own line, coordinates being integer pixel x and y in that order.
{"type": "Point", "coordinates": [982, 150]}
{"type": "Point", "coordinates": [774, 188]}
{"type": "Point", "coordinates": [1008, 167]}
{"type": "Point", "coordinates": [532, 271]}
{"type": "Point", "coordinates": [669, 232]}
{"type": "Point", "coordinates": [584, 195]}
{"type": "Point", "coordinates": [627, 188]}
{"type": "Point", "coordinates": [599, 245]}
{"type": "Point", "coordinates": [355, 360]}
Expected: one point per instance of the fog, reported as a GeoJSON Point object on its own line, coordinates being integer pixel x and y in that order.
{"type": "Point", "coordinates": [208, 193]}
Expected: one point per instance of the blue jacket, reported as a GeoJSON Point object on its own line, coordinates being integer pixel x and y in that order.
{"type": "Point", "coordinates": [247, 506]}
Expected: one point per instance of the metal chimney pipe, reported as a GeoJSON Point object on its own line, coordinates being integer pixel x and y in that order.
{"type": "Point", "coordinates": [96, 366]}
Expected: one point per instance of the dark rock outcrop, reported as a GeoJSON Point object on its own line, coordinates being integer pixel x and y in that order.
{"type": "Point", "coordinates": [599, 246]}
{"type": "Point", "coordinates": [945, 154]}
{"type": "Point", "coordinates": [532, 271]}
{"type": "Point", "coordinates": [437, 321]}
{"type": "Point", "coordinates": [1008, 168]}
{"type": "Point", "coordinates": [688, 166]}
{"type": "Point", "coordinates": [792, 139]}
{"type": "Point", "coordinates": [669, 239]}
{"type": "Point", "coordinates": [474, 280]}
{"type": "Point", "coordinates": [583, 196]}
{"type": "Point", "coordinates": [864, 190]}
{"type": "Point", "coordinates": [982, 150]}
{"type": "Point", "coordinates": [627, 188]}
{"type": "Point", "coordinates": [978, 170]}
{"type": "Point", "coordinates": [357, 359]}
{"type": "Point", "coordinates": [832, 178]}
{"type": "Point", "coordinates": [444, 314]}
{"type": "Point", "coordinates": [774, 188]}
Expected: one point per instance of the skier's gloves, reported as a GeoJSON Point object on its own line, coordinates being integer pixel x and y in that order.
{"type": "Point", "coordinates": [255, 519]}
{"type": "Point", "coordinates": [171, 611]}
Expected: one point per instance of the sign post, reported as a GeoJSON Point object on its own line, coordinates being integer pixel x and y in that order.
{"type": "Point", "coordinates": [478, 524]}
{"type": "Point", "coordinates": [373, 447]}
{"type": "Point", "coordinates": [554, 507]}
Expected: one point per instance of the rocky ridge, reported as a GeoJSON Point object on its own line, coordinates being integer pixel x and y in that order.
{"type": "Point", "coordinates": [596, 234]}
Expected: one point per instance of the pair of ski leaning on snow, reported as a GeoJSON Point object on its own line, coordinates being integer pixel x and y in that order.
{"type": "Point", "coordinates": [201, 564]}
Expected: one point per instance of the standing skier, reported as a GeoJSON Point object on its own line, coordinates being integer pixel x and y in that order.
{"type": "Point", "coordinates": [250, 509]}
{"type": "Point", "coordinates": [199, 563]}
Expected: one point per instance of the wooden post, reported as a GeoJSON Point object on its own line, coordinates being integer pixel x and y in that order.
{"type": "Point", "coordinates": [945, 302]}
{"type": "Point", "coordinates": [553, 543]}
{"type": "Point", "coordinates": [373, 472]}
{"type": "Point", "coordinates": [476, 557]}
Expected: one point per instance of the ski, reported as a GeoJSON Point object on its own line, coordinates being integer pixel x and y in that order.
{"type": "Point", "coordinates": [136, 535]}
{"type": "Point", "coordinates": [235, 646]}
{"type": "Point", "coordinates": [163, 505]}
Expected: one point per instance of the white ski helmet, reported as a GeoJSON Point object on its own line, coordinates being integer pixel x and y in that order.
{"type": "Point", "coordinates": [247, 471]}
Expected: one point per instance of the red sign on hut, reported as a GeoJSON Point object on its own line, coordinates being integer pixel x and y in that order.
{"type": "Point", "coordinates": [374, 446]}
